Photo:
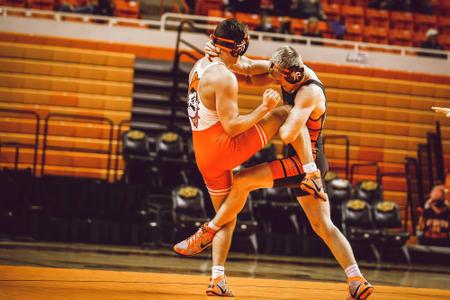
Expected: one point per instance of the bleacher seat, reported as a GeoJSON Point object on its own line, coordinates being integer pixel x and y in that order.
{"type": "Point", "coordinates": [353, 15]}
{"type": "Point", "coordinates": [41, 4]}
{"type": "Point", "coordinates": [376, 35]}
{"type": "Point", "coordinates": [332, 10]}
{"type": "Point", "coordinates": [298, 25]}
{"type": "Point", "coordinates": [444, 25]}
{"type": "Point", "coordinates": [354, 32]}
{"type": "Point", "coordinates": [377, 18]}
{"type": "Point", "coordinates": [126, 9]}
{"type": "Point", "coordinates": [424, 22]}
{"type": "Point", "coordinates": [203, 6]}
{"type": "Point", "coordinates": [401, 20]}
{"type": "Point", "coordinates": [15, 3]}
{"type": "Point", "coordinates": [215, 13]}
{"type": "Point", "coordinates": [401, 37]}
{"type": "Point", "coordinates": [252, 20]}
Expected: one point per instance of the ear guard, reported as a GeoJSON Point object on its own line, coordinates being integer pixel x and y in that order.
{"type": "Point", "coordinates": [293, 74]}
{"type": "Point", "coordinates": [235, 49]}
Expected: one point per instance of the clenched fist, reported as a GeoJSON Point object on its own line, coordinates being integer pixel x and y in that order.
{"type": "Point", "coordinates": [271, 99]}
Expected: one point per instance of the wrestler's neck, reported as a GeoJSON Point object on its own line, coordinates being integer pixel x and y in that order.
{"type": "Point", "coordinates": [289, 87]}
{"type": "Point", "coordinates": [226, 59]}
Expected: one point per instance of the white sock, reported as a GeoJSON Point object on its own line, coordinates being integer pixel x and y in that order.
{"type": "Point", "coordinates": [213, 226]}
{"type": "Point", "coordinates": [217, 271]}
{"type": "Point", "coordinates": [353, 271]}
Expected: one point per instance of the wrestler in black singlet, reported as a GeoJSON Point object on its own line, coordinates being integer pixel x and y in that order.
{"type": "Point", "coordinates": [315, 127]}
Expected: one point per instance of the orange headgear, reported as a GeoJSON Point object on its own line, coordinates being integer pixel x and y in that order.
{"type": "Point", "coordinates": [293, 74]}
{"type": "Point", "coordinates": [235, 48]}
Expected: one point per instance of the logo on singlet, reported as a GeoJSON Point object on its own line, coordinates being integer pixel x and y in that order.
{"type": "Point", "coordinates": [193, 105]}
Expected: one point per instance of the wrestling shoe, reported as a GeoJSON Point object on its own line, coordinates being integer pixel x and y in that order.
{"type": "Point", "coordinates": [196, 243]}
{"type": "Point", "coordinates": [359, 288]}
{"type": "Point", "coordinates": [312, 184]}
{"type": "Point", "coordinates": [219, 287]}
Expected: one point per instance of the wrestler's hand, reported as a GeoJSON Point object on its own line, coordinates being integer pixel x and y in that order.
{"type": "Point", "coordinates": [271, 99]}
{"type": "Point", "coordinates": [445, 111]}
{"type": "Point", "coordinates": [312, 184]}
{"type": "Point", "coordinates": [211, 50]}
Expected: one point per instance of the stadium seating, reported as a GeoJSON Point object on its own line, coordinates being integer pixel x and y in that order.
{"type": "Point", "coordinates": [49, 80]}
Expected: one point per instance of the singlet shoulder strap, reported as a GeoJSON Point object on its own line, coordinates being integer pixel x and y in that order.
{"type": "Point", "coordinates": [313, 81]}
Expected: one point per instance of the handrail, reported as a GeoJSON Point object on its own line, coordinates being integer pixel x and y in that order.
{"type": "Point", "coordinates": [16, 157]}
{"type": "Point", "coordinates": [440, 161]}
{"type": "Point", "coordinates": [118, 142]}
{"type": "Point", "coordinates": [73, 118]}
{"type": "Point", "coordinates": [166, 22]}
{"type": "Point", "coordinates": [412, 162]}
{"type": "Point", "coordinates": [425, 165]}
{"type": "Point", "coordinates": [369, 164]}
{"type": "Point", "coordinates": [36, 134]}
{"type": "Point", "coordinates": [347, 150]}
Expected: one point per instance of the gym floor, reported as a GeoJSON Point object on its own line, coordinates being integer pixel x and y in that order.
{"type": "Point", "coordinates": [79, 271]}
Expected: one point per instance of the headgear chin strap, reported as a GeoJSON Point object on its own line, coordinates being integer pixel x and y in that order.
{"type": "Point", "coordinates": [235, 49]}
{"type": "Point", "coordinates": [293, 74]}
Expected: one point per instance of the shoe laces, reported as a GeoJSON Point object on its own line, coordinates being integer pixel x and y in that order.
{"type": "Point", "coordinates": [196, 235]}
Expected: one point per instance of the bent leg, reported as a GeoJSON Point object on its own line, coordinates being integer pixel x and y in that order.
{"type": "Point", "coordinates": [259, 176]}
{"type": "Point", "coordinates": [318, 213]}
{"type": "Point", "coordinates": [272, 121]}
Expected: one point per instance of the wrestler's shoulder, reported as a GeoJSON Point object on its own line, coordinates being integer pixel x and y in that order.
{"type": "Point", "coordinates": [219, 74]}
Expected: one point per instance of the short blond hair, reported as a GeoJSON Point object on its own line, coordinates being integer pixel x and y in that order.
{"type": "Point", "coordinates": [286, 57]}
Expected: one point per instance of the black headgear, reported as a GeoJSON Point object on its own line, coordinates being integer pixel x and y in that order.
{"type": "Point", "coordinates": [236, 49]}
{"type": "Point", "coordinates": [293, 74]}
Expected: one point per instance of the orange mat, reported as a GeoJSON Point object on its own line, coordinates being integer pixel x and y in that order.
{"type": "Point", "coordinates": [45, 283]}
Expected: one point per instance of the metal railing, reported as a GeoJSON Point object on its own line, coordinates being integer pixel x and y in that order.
{"type": "Point", "coordinates": [171, 21]}
{"type": "Point", "coordinates": [119, 137]}
{"type": "Point", "coordinates": [347, 150]}
{"type": "Point", "coordinates": [37, 119]}
{"type": "Point", "coordinates": [77, 119]}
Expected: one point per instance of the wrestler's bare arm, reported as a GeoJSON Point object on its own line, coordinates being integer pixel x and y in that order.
{"type": "Point", "coordinates": [443, 110]}
{"type": "Point", "coordinates": [250, 71]}
{"type": "Point", "coordinates": [306, 101]}
{"type": "Point", "coordinates": [226, 92]}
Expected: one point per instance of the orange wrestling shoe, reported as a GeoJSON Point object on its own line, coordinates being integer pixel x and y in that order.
{"type": "Point", "coordinates": [359, 288]}
{"type": "Point", "coordinates": [196, 243]}
{"type": "Point", "coordinates": [219, 287]}
{"type": "Point", "coordinates": [312, 184]}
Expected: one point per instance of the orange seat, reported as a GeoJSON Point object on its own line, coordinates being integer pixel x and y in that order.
{"type": "Point", "coordinates": [252, 20]}
{"type": "Point", "coordinates": [444, 40]}
{"type": "Point", "coordinates": [445, 8]}
{"type": "Point", "coordinates": [267, 4]}
{"type": "Point", "coordinates": [377, 35]}
{"type": "Point", "coordinates": [401, 37]}
{"type": "Point", "coordinates": [332, 10]}
{"type": "Point", "coordinates": [402, 20]}
{"type": "Point", "coordinates": [215, 13]}
{"type": "Point", "coordinates": [203, 6]}
{"type": "Point", "coordinates": [353, 14]}
{"type": "Point", "coordinates": [377, 18]}
{"type": "Point", "coordinates": [15, 3]}
{"type": "Point", "coordinates": [354, 32]}
{"type": "Point", "coordinates": [418, 38]}
{"type": "Point", "coordinates": [298, 25]}
{"type": "Point", "coordinates": [127, 9]}
{"type": "Point", "coordinates": [424, 22]}
{"type": "Point", "coordinates": [444, 25]}
{"type": "Point", "coordinates": [41, 4]}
